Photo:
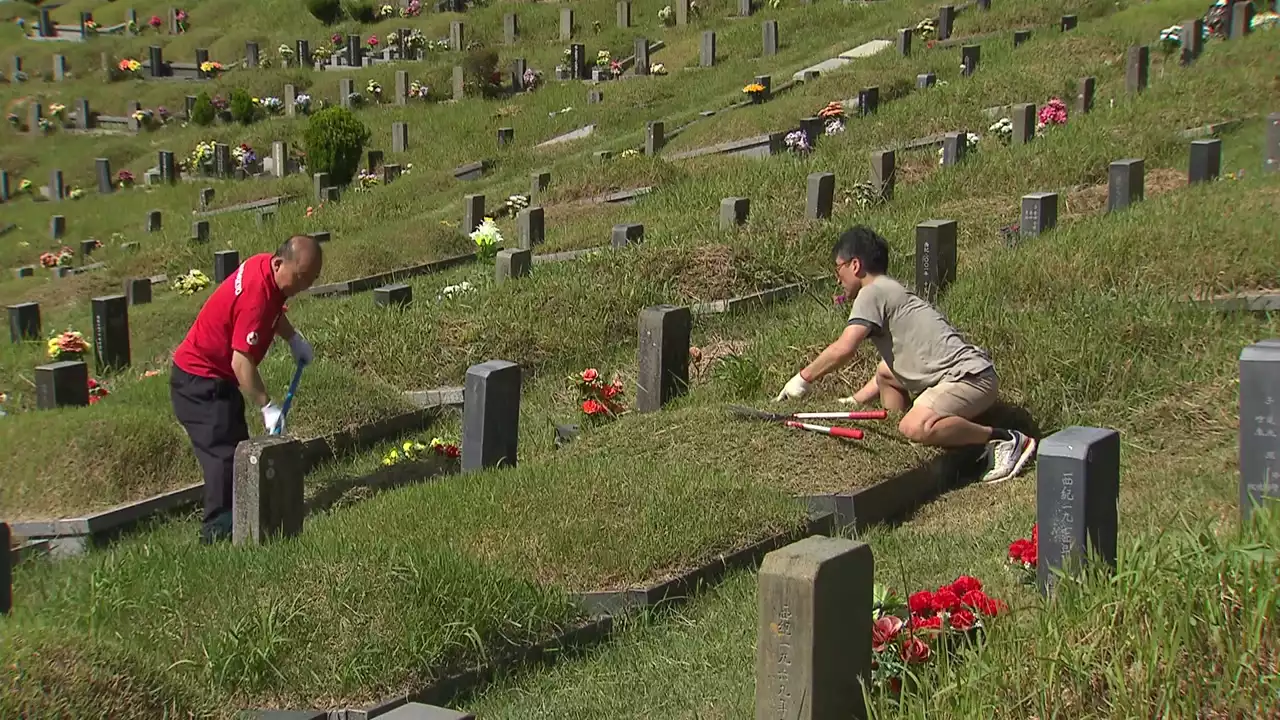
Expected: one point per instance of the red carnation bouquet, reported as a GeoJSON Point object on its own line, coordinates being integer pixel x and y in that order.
{"type": "Point", "coordinates": [600, 401]}
{"type": "Point", "coordinates": [1024, 554]}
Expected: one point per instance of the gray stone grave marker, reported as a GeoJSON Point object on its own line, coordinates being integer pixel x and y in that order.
{"type": "Point", "coordinates": [111, 332]}
{"type": "Point", "coordinates": [1239, 19]}
{"type": "Point", "coordinates": [189, 105]}
{"type": "Point", "coordinates": [62, 384]}
{"type": "Point", "coordinates": [602, 155]}
{"type": "Point", "coordinates": [25, 271]}
{"type": "Point", "coordinates": [390, 173]}
{"type": "Point", "coordinates": [623, 11]}
{"type": "Point", "coordinates": [1020, 36]}
{"type": "Point", "coordinates": [935, 257]}
{"type": "Point", "coordinates": [954, 145]}
{"type": "Point", "coordinates": [5, 190]}
{"type": "Point", "coordinates": [57, 190]}
{"type": "Point", "coordinates": [1024, 123]}
{"type": "Point", "coordinates": [682, 12]}
{"type": "Point", "coordinates": [904, 41]}
{"type": "Point", "coordinates": [1125, 183]}
{"type": "Point", "coordinates": [626, 234]}
{"type": "Point", "coordinates": [770, 37]}
{"type": "Point", "coordinates": [225, 264]}
{"type": "Point", "coordinates": [472, 212]}
{"type": "Point", "coordinates": [346, 88]}
{"type": "Point", "coordinates": [707, 51]}
{"type": "Point", "coordinates": [266, 216]}
{"type": "Point", "coordinates": [812, 128]}
{"type": "Point", "coordinates": [510, 28]}
{"type": "Point", "coordinates": [200, 231]}
{"type": "Point", "coordinates": [518, 68]}
{"type": "Point", "coordinates": [57, 227]}
{"type": "Point", "coordinates": [1137, 63]}
{"type": "Point", "coordinates": [821, 192]}
{"type": "Point", "coordinates": [594, 97]}
{"type": "Point", "coordinates": [1077, 492]}
{"type": "Point", "coordinates": [566, 23]}
{"type": "Point", "coordinates": [395, 295]}
{"type": "Point", "coordinates": [813, 637]}
{"type": "Point", "coordinates": [946, 21]}
{"type": "Point", "coordinates": [375, 158]}
{"type": "Point", "coordinates": [512, 263]}
{"type": "Point", "coordinates": [154, 221]}
{"type": "Point", "coordinates": [1068, 23]}
{"type": "Point", "coordinates": [322, 236]}
{"type": "Point", "coordinates": [355, 53]}
{"type": "Point", "coordinates": [304, 53]}
{"type": "Point", "coordinates": [745, 8]}
{"type": "Point", "coordinates": [970, 56]}
{"type": "Point", "coordinates": [1084, 94]}
{"type": "Point", "coordinates": [654, 137]}
{"type": "Point", "coordinates": [734, 212]}
{"type": "Point", "coordinates": [578, 61]}
{"type": "Point", "coordinates": [457, 36]}
{"type": "Point", "coordinates": [1206, 161]}
{"type": "Point", "coordinates": [868, 100]}
{"type": "Point", "coordinates": [251, 54]}
{"type": "Point", "coordinates": [156, 57]}
{"type": "Point", "coordinates": [883, 165]}
{"type": "Point", "coordinates": [280, 158]}
{"type": "Point", "coordinates": [491, 415]}
{"type": "Point", "coordinates": [87, 247]}
{"type": "Point", "coordinates": [402, 87]}
{"type": "Point", "coordinates": [984, 5]}
{"type": "Point", "coordinates": [459, 83]}
{"type": "Point", "coordinates": [106, 182]}
{"type": "Point", "coordinates": [319, 181]}
{"type": "Point", "coordinates": [1259, 443]}
{"type": "Point", "coordinates": [168, 167]}
{"type": "Point", "coordinates": [924, 81]}
{"type": "Point", "coordinates": [222, 165]}
{"type": "Point", "coordinates": [1039, 213]}
{"type": "Point", "coordinates": [664, 356]}
{"type": "Point", "coordinates": [59, 68]}
{"type": "Point", "coordinates": [332, 194]}
{"type": "Point", "coordinates": [767, 82]}
{"type": "Point", "coordinates": [531, 227]}
{"type": "Point", "coordinates": [539, 181]}
{"type": "Point", "coordinates": [642, 64]}
{"type": "Point", "coordinates": [138, 290]}
{"type": "Point", "coordinates": [24, 322]}
{"type": "Point", "coordinates": [506, 136]}
{"type": "Point", "coordinates": [84, 118]}
{"type": "Point", "coordinates": [290, 100]}
{"type": "Point", "coordinates": [267, 499]}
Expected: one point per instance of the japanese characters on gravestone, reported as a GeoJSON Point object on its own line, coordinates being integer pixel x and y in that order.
{"type": "Point", "coordinates": [472, 212]}
{"type": "Point", "coordinates": [819, 195]}
{"type": "Point", "coordinates": [530, 227]}
{"type": "Point", "coordinates": [397, 295]}
{"type": "Point", "coordinates": [266, 490]}
{"type": "Point", "coordinates": [1125, 182]}
{"type": "Point", "coordinates": [734, 212]}
{"type": "Point", "coordinates": [664, 356]}
{"type": "Point", "coordinates": [654, 137]}
{"type": "Point", "coordinates": [1206, 161]}
{"type": "Point", "coordinates": [1259, 439]}
{"type": "Point", "coordinates": [954, 145]}
{"type": "Point", "coordinates": [1137, 62]}
{"type": "Point", "coordinates": [1077, 493]}
{"type": "Point", "coordinates": [512, 263]}
{"type": "Point", "coordinates": [769, 31]}
{"type": "Point", "coordinates": [813, 633]}
{"type": "Point", "coordinates": [1021, 36]}
{"type": "Point", "coordinates": [1084, 94]}
{"type": "Point", "coordinates": [883, 165]}
{"type": "Point", "coordinates": [355, 52]}
{"type": "Point", "coordinates": [491, 415]}
{"type": "Point", "coordinates": [578, 60]}
{"type": "Point", "coordinates": [935, 257]}
{"type": "Point", "coordinates": [111, 332]}
{"type": "Point", "coordinates": [24, 322]}
{"type": "Point", "coordinates": [62, 384]}
{"type": "Point", "coordinates": [1039, 213]}
{"type": "Point", "coordinates": [138, 290]}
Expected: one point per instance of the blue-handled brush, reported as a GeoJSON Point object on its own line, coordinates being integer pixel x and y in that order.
{"type": "Point", "coordinates": [288, 399]}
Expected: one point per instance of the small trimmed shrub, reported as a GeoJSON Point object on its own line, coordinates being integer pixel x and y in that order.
{"type": "Point", "coordinates": [202, 113]}
{"type": "Point", "coordinates": [335, 140]}
{"type": "Point", "coordinates": [242, 108]}
{"type": "Point", "coordinates": [326, 11]}
{"type": "Point", "coordinates": [478, 68]}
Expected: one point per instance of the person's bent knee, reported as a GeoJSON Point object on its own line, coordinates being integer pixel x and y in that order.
{"type": "Point", "coordinates": [916, 428]}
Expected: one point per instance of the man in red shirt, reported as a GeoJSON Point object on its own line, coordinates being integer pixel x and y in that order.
{"type": "Point", "coordinates": [215, 369]}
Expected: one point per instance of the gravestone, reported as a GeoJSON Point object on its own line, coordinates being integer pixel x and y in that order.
{"type": "Point", "coordinates": [459, 83]}
{"type": "Point", "coordinates": [946, 21]}
{"type": "Point", "coordinates": [1206, 161]}
{"type": "Point", "coordinates": [745, 8]}
{"type": "Point", "coordinates": [138, 290]}
{"type": "Point", "coordinates": [821, 191]}
{"type": "Point", "coordinates": [4, 186]}
{"type": "Point", "coordinates": [251, 54]}
{"type": "Point", "coordinates": [35, 112]}
{"type": "Point", "coordinates": [868, 100]}
{"type": "Point", "coordinates": [734, 212]}
{"type": "Point", "coordinates": [512, 263]}
{"type": "Point", "coordinates": [510, 28]}
{"type": "Point", "coordinates": [642, 65]}
{"type": "Point", "coordinates": [594, 97]}
{"type": "Point", "coordinates": [490, 415]}
{"type": "Point", "coordinates": [225, 264]}
{"type": "Point", "coordinates": [304, 53]}
{"type": "Point", "coordinates": [399, 137]}
{"type": "Point", "coordinates": [566, 23]}
{"type": "Point", "coordinates": [290, 100]}
{"type": "Point", "coordinates": [84, 118]}
{"type": "Point", "coordinates": [57, 227]}
{"type": "Point", "coordinates": [539, 181]}
{"type": "Point", "coordinates": [472, 212]}
{"type": "Point", "coordinates": [222, 165]}
{"type": "Point", "coordinates": [883, 164]}
{"type": "Point", "coordinates": [280, 158]}
{"type": "Point", "coordinates": [110, 332]}
{"type": "Point", "coordinates": [626, 234]}
{"type": "Point", "coordinates": [664, 356]}
{"type": "Point", "coordinates": [156, 56]}
{"type": "Point", "coordinates": [346, 88]}
{"type": "Point", "coordinates": [1137, 62]}
{"type": "Point", "coordinates": [1239, 19]}
{"type": "Point", "coordinates": [24, 322]}
{"type": "Point", "coordinates": [57, 190]}
{"type": "Point", "coordinates": [812, 129]}
{"type": "Point", "coordinates": [1271, 161]}
{"type": "Point", "coordinates": [154, 222]}
{"type": "Point", "coordinates": [707, 52]}
{"type": "Point", "coordinates": [954, 146]}
{"type": "Point", "coordinates": [813, 635]}
{"type": "Point", "coordinates": [623, 11]}
{"type": "Point", "coordinates": [1039, 213]}
{"type": "Point", "coordinates": [531, 228]}
{"type": "Point", "coordinates": [200, 231]}
{"type": "Point", "coordinates": [1024, 123]}
{"type": "Point", "coordinates": [355, 53]}
{"type": "Point", "coordinates": [168, 168]}
{"type": "Point", "coordinates": [1192, 37]}
{"type": "Point", "coordinates": [519, 66]}
{"type": "Point", "coordinates": [402, 87]}
{"type": "Point", "coordinates": [59, 68]}
{"type": "Point", "coordinates": [265, 216]}
{"type": "Point", "coordinates": [62, 384]}
{"type": "Point", "coordinates": [765, 81]}
{"type": "Point", "coordinates": [390, 173]}
{"type": "Point", "coordinates": [654, 137]}
{"type": "Point", "coordinates": [397, 295]}
{"type": "Point", "coordinates": [1077, 492]}
{"type": "Point", "coordinates": [924, 81]}
{"type": "Point", "coordinates": [1084, 94]}
{"type": "Point", "coordinates": [6, 570]}
{"type": "Point", "coordinates": [935, 258]}
{"type": "Point", "coordinates": [970, 55]}
{"type": "Point", "coordinates": [457, 36]}
{"type": "Point", "coordinates": [1259, 444]}
{"type": "Point", "coordinates": [1068, 23]}
{"type": "Point", "coordinates": [1020, 36]}
{"type": "Point", "coordinates": [984, 5]}
{"type": "Point", "coordinates": [87, 247]}
{"type": "Point", "coordinates": [506, 136]}
{"type": "Point", "coordinates": [770, 37]}
{"type": "Point", "coordinates": [375, 159]}
{"type": "Point", "coordinates": [267, 499]}
{"type": "Point", "coordinates": [904, 41]}
{"type": "Point", "coordinates": [319, 181]}
{"type": "Point", "coordinates": [332, 194]}
{"type": "Point", "coordinates": [1124, 184]}
{"type": "Point", "coordinates": [106, 182]}
{"type": "Point", "coordinates": [578, 60]}
{"type": "Point", "coordinates": [682, 12]}
{"type": "Point", "coordinates": [25, 271]}
{"type": "Point", "coordinates": [189, 106]}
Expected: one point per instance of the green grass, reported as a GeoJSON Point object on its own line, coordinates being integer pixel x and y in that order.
{"type": "Point", "coordinates": [1084, 325]}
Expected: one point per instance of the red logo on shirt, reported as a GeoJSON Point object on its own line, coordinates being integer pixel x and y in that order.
{"type": "Point", "coordinates": [252, 339]}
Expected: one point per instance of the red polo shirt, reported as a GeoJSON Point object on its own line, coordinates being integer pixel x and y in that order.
{"type": "Point", "coordinates": [240, 315]}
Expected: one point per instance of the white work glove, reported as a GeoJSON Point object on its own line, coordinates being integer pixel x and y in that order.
{"type": "Point", "coordinates": [303, 354]}
{"type": "Point", "coordinates": [272, 416]}
{"type": "Point", "coordinates": [796, 388]}
{"type": "Point", "coordinates": [851, 400]}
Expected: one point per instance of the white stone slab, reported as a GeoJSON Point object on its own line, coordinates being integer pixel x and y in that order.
{"type": "Point", "coordinates": [867, 49]}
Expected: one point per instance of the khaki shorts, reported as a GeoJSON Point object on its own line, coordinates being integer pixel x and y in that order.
{"type": "Point", "coordinates": [965, 398]}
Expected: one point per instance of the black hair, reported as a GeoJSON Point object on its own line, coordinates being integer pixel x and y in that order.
{"type": "Point", "coordinates": [288, 250]}
{"type": "Point", "coordinates": [865, 244]}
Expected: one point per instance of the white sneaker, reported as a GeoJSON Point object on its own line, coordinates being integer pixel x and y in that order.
{"type": "Point", "coordinates": [1008, 457]}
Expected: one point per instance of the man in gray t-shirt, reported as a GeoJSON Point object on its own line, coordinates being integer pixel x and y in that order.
{"type": "Point", "coordinates": [927, 367]}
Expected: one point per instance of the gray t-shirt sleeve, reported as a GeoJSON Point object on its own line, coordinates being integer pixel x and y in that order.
{"type": "Point", "coordinates": [868, 308]}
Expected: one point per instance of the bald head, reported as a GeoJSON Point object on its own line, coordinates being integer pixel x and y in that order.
{"type": "Point", "coordinates": [297, 264]}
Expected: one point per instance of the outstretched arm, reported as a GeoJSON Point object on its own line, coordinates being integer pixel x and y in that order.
{"type": "Point", "coordinates": [837, 354]}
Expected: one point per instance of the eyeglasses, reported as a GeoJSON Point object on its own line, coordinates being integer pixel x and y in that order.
{"type": "Point", "coordinates": [842, 265]}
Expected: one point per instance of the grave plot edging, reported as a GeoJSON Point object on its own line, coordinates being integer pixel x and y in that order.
{"type": "Point", "coordinates": [369, 282]}
{"type": "Point", "coordinates": [761, 297]}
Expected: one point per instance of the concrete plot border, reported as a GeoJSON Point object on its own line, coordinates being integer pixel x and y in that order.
{"type": "Point", "coordinates": [762, 297]}
{"type": "Point", "coordinates": [369, 282]}
{"type": "Point", "coordinates": [271, 202]}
